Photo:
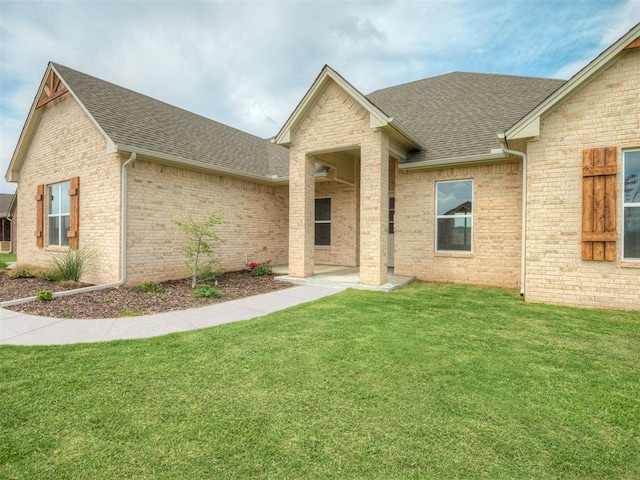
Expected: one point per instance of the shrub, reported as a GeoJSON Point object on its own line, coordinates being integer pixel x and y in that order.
{"type": "Point", "coordinates": [260, 269]}
{"type": "Point", "coordinates": [71, 264]}
{"type": "Point", "coordinates": [27, 270]}
{"type": "Point", "coordinates": [209, 274]}
{"type": "Point", "coordinates": [70, 284]}
{"type": "Point", "coordinates": [45, 295]}
{"type": "Point", "coordinates": [152, 289]}
{"type": "Point", "coordinates": [206, 291]}
{"type": "Point", "coordinates": [201, 244]}
{"type": "Point", "coordinates": [3, 265]}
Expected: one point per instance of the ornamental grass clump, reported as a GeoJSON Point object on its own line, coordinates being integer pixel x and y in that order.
{"type": "Point", "coordinates": [71, 264]}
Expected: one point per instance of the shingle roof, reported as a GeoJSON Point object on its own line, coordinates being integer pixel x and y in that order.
{"type": "Point", "coordinates": [138, 121]}
{"type": "Point", "coordinates": [5, 202]}
{"type": "Point", "coordinates": [456, 114]}
{"type": "Point", "coordinates": [459, 114]}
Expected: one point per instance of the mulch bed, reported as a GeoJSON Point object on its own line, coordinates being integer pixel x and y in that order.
{"type": "Point", "coordinates": [129, 301]}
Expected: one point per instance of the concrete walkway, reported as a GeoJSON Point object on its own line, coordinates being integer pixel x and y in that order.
{"type": "Point", "coordinates": [20, 329]}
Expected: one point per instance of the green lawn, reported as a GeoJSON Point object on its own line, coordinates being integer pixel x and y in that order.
{"type": "Point", "coordinates": [432, 381]}
{"type": "Point", "coordinates": [7, 257]}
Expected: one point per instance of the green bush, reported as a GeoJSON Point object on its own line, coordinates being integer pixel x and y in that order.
{"type": "Point", "coordinates": [3, 265]}
{"type": "Point", "coordinates": [70, 265]}
{"type": "Point", "coordinates": [206, 291]}
{"type": "Point", "coordinates": [45, 295]}
{"type": "Point", "coordinates": [27, 270]}
{"type": "Point", "coordinates": [152, 289]}
{"type": "Point", "coordinates": [260, 269]}
{"type": "Point", "coordinates": [207, 273]}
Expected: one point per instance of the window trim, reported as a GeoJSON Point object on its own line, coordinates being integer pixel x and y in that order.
{"type": "Point", "coordinates": [438, 217]}
{"type": "Point", "coordinates": [59, 215]}
{"type": "Point", "coordinates": [626, 205]}
{"type": "Point", "coordinates": [316, 222]}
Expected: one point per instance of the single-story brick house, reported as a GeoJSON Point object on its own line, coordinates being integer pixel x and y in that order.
{"type": "Point", "coordinates": [518, 182]}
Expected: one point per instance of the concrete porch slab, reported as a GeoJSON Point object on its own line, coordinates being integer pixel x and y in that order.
{"type": "Point", "coordinates": [341, 277]}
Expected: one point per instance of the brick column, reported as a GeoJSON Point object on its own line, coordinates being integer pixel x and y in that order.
{"type": "Point", "coordinates": [301, 213]}
{"type": "Point", "coordinates": [374, 208]}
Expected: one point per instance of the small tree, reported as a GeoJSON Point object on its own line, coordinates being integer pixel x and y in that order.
{"type": "Point", "coordinates": [200, 247]}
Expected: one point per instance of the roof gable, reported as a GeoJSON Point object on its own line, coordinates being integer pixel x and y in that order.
{"type": "Point", "coordinates": [130, 122]}
{"type": "Point", "coordinates": [377, 117]}
{"type": "Point", "coordinates": [529, 125]}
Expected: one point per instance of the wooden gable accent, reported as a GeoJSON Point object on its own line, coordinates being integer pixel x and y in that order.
{"type": "Point", "coordinates": [599, 170]}
{"type": "Point", "coordinates": [40, 216]}
{"type": "Point", "coordinates": [74, 213]}
{"type": "Point", "coordinates": [53, 88]}
{"type": "Point", "coordinates": [634, 44]}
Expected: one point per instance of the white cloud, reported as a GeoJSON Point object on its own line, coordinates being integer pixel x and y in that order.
{"type": "Point", "coordinates": [247, 64]}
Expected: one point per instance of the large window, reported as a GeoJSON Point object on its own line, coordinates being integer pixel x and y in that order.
{"type": "Point", "coordinates": [454, 215]}
{"type": "Point", "coordinates": [631, 205]}
{"type": "Point", "coordinates": [323, 222]}
{"type": "Point", "coordinates": [59, 208]}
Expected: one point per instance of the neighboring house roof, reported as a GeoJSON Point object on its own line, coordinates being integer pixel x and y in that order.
{"type": "Point", "coordinates": [5, 204]}
{"type": "Point", "coordinates": [460, 114]}
{"type": "Point", "coordinates": [138, 122]}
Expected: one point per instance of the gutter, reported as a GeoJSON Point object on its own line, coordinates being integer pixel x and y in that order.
{"type": "Point", "coordinates": [123, 248]}
{"type": "Point", "coordinates": [523, 261]}
{"type": "Point", "coordinates": [268, 179]}
{"type": "Point", "coordinates": [462, 160]}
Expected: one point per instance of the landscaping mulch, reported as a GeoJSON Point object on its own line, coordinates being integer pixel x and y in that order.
{"type": "Point", "coordinates": [129, 301]}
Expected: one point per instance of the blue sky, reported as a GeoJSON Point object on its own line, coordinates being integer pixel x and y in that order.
{"type": "Point", "coordinates": [247, 64]}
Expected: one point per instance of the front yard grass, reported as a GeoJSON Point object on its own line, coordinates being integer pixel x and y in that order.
{"type": "Point", "coordinates": [432, 381]}
{"type": "Point", "coordinates": [7, 257]}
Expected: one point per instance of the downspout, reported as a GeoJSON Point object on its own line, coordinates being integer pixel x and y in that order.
{"type": "Point", "coordinates": [123, 247]}
{"type": "Point", "coordinates": [523, 263]}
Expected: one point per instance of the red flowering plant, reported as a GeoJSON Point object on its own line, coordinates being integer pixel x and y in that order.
{"type": "Point", "coordinates": [260, 269]}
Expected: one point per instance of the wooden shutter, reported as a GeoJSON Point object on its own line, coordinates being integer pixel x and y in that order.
{"type": "Point", "coordinates": [40, 216]}
{"type": "Point", "coordinates": [74, 213]}
{"type": "Point", "coordinates": [599, 169]}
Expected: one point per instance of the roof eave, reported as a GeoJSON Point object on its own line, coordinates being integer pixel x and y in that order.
{"type": "Point", "coordinates": [174, 159]}
{"type": "Point", "coordinates": [529, 125]}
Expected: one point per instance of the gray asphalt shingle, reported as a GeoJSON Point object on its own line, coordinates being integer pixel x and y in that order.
{"type": "Point", "coordinates": [135, 120]}
{"type": "Point", "coordinates": [460, 114]}
{"type": "Point", "coordinates": [454, 115]}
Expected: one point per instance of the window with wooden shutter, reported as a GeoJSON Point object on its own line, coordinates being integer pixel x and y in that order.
{"type": "Point", "coordinates": [40, 216]}
{"type": "Point", "coordinates": [599, 169]}
{"type": "Point", "coordinates": [74, 213]}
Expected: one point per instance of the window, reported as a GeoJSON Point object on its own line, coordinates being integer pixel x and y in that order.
{"type": "Point", "coordinates": [454, 215]}
{"type": "Point", "coordinates": [58, 214]}
{"type": "Point", "coordinates": [631, 205]}
{"type": "Point", "coordinates": [323, 222]}
{"type": "Point", "coordinates": [392, 215]}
